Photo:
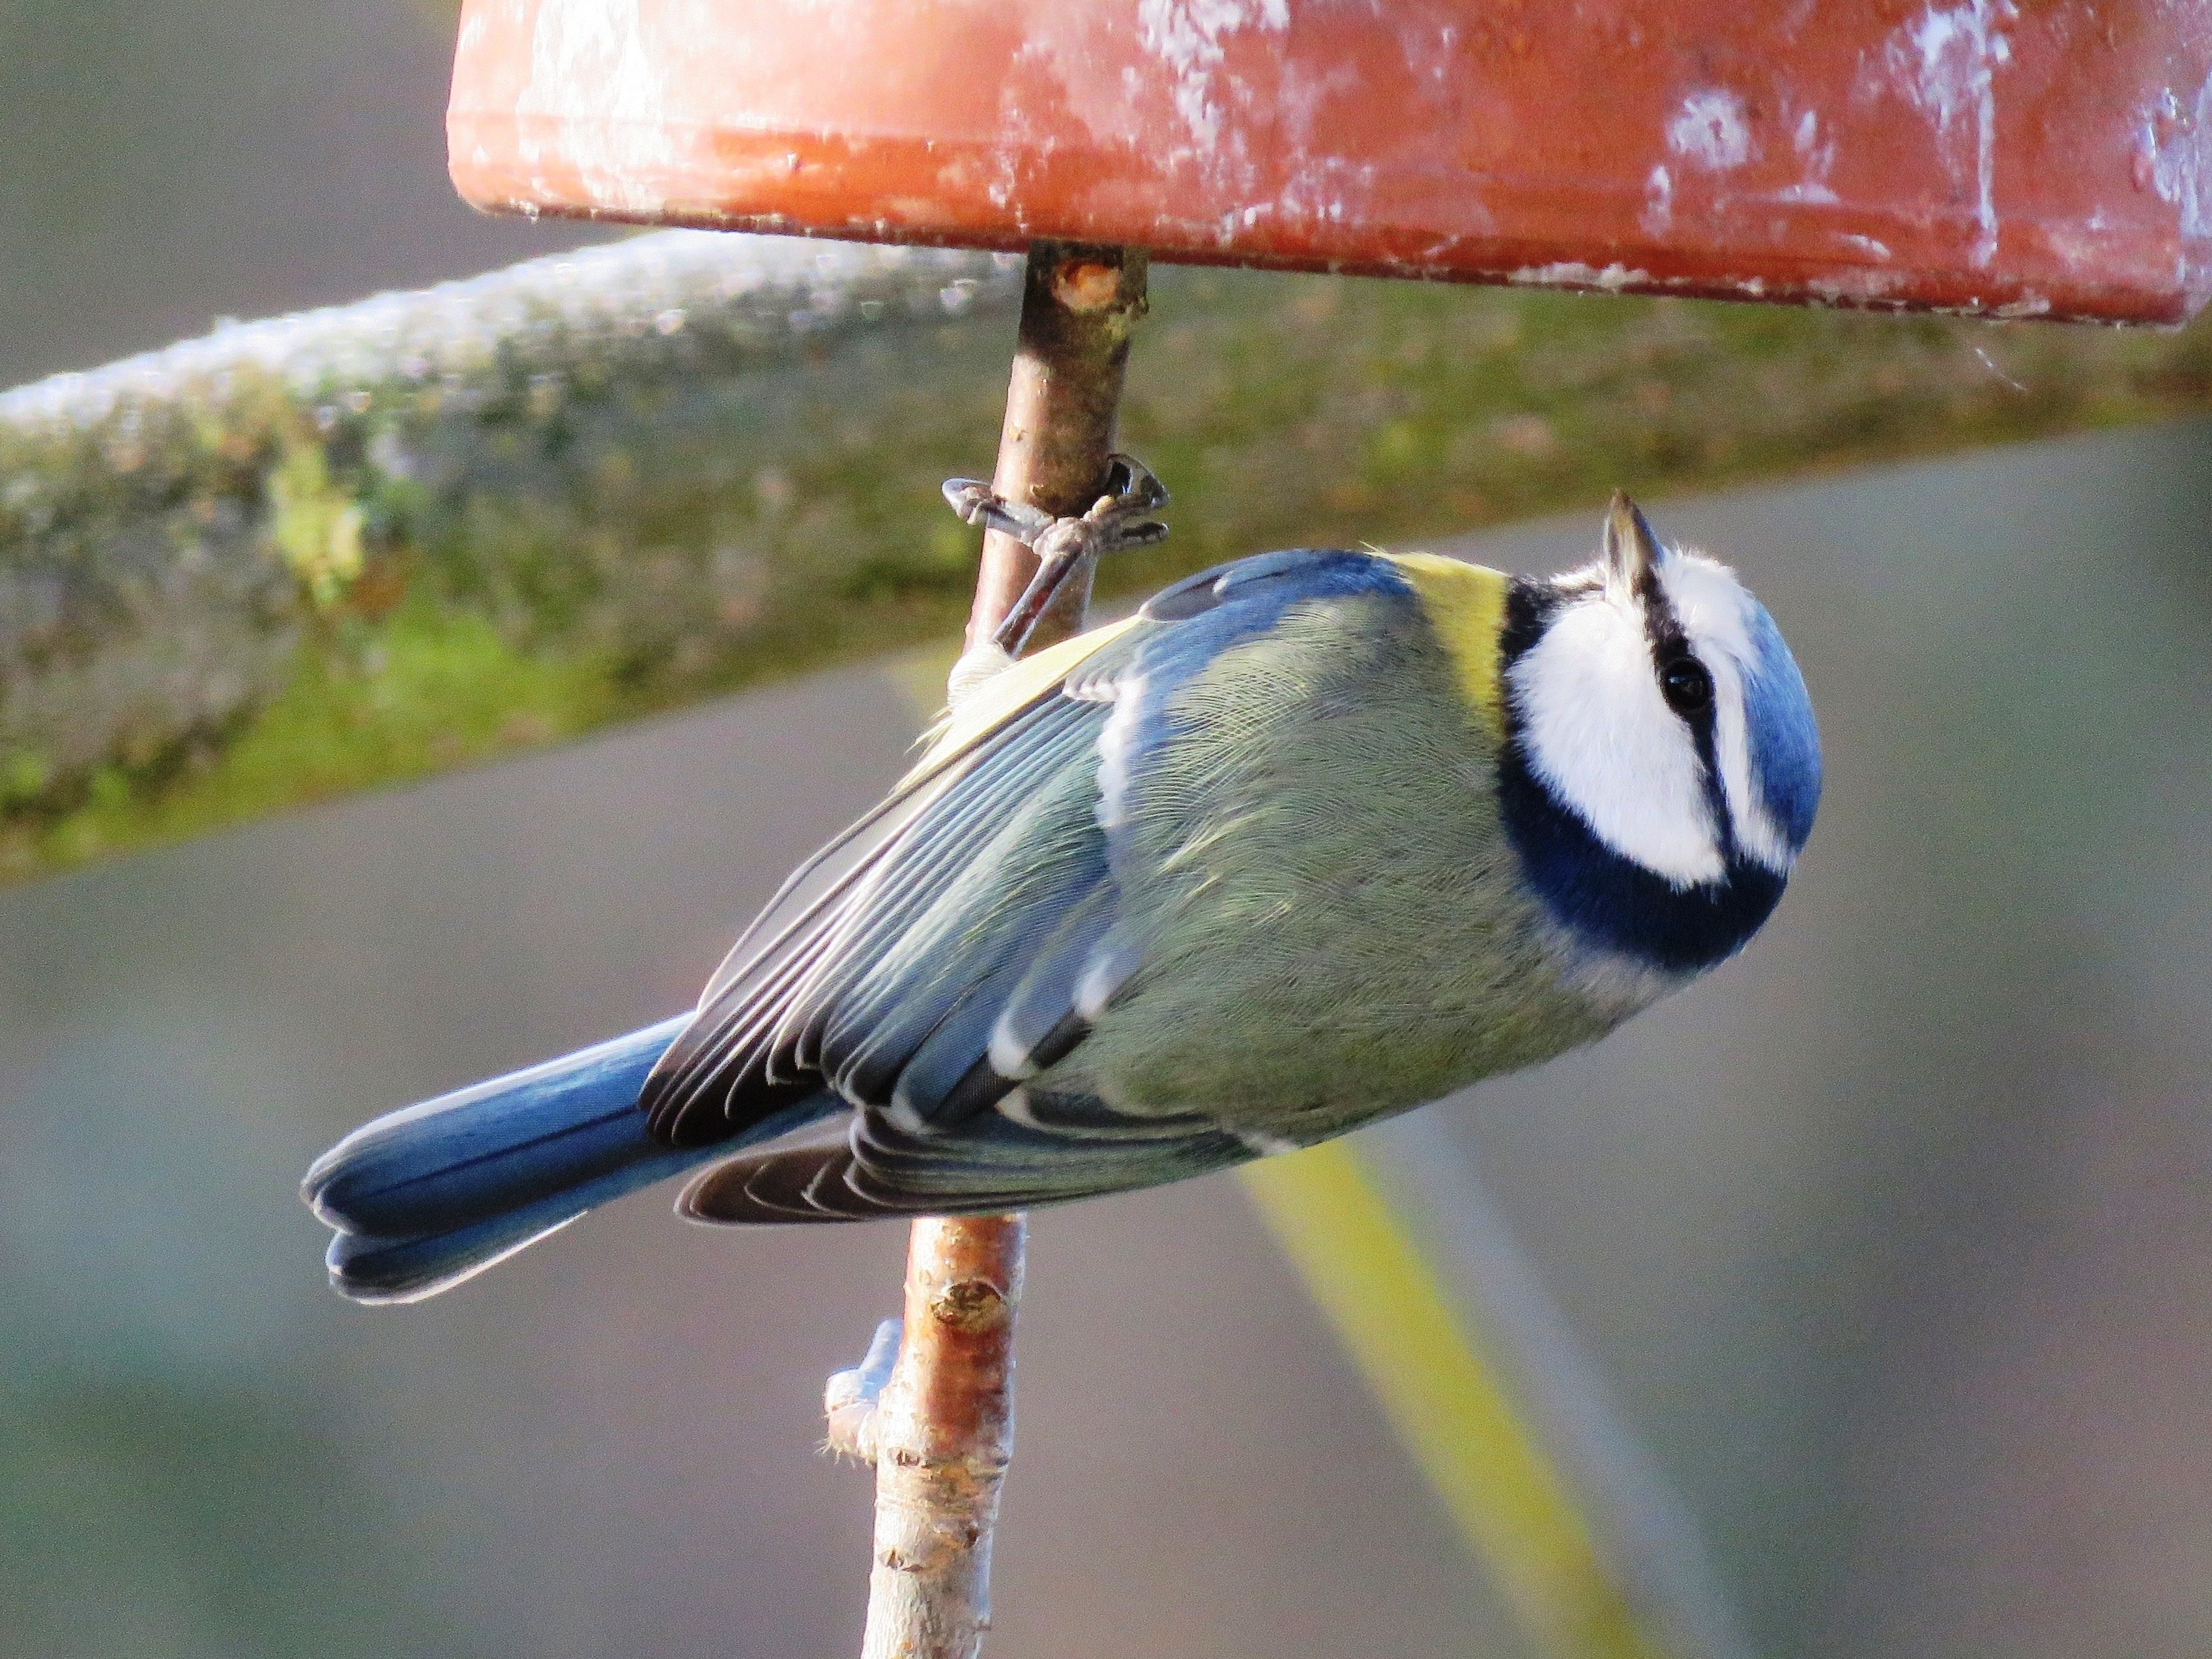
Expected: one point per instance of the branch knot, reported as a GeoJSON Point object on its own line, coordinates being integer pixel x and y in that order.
{"type": "Point", "coordinates": [971, 1306]}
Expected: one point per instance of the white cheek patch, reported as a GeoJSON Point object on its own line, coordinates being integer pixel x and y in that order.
{"type": "Point", "coordinates": [1601, 737]}
{"type": "Point", "coordinates": [1710, 604]}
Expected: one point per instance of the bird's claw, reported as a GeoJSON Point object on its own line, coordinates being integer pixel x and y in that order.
{"type": "Point", "coordinates": [977, 503]}
{"type": "Point", "coordinates": [1131, 487]}
{"type": "Point", "coordinates": [1133, 490]}
{"type": "Point", "coordinates": [1118, 520]}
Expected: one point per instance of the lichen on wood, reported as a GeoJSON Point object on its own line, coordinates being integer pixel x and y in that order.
{"type": "Point", "coordinates": [541, 458]}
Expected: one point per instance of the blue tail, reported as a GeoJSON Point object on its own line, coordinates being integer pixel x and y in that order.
{"type": "Point", "coordinates": [423, 1198]}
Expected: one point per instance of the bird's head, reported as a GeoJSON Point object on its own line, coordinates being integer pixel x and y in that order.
{"type": "Point", "coordinates": [1662, 764]}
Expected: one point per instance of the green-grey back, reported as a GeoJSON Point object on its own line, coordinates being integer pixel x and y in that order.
{"type": "Point", "coordinates": [1333, 920]}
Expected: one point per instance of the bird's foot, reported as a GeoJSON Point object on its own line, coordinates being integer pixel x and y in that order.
{"type": "Point", "coordinates": [1121, 518]}
{"type": "Point", "coordinates": [849, 1398]}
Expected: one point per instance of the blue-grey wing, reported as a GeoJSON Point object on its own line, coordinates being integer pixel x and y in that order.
{"type": "Point", "coordinates": [961, 940]}
{"type": "Point", "coordinates": [895, 932]}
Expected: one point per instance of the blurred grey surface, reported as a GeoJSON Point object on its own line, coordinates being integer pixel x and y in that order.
{"type": "Point", "coordinates": [168, 162]}
{"type": "Point", "coordinates": [1889, 1237]}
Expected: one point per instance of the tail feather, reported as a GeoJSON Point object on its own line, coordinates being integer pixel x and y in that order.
{"type": "Point", "coordinates": [494, 1146]}
{"type": "Point", "coordinates": [374, 1268]}
{"type": "Point", "coordinates": [424, 1198]}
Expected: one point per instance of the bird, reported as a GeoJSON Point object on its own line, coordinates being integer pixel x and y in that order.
{"type": "Point", "coordinates": [1313, 838]}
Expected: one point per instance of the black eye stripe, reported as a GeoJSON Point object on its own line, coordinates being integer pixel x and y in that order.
{"type": "Point", "coordinates": [1663, 629]}
{"type": "Point", "coordinates": [1671, 651]}
{"type": "Point", "coordinates": [1671, 648]}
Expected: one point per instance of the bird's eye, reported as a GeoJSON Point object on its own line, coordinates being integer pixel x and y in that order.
{"type": "Point", "coordinates": [1687, 687]}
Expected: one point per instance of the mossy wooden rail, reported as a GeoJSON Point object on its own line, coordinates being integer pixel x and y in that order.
{"type": "Point", "coordinates": [305, 556]}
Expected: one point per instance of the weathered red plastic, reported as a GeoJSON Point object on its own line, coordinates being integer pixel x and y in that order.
{"type": "Point", "coordinates": [2038, 159]}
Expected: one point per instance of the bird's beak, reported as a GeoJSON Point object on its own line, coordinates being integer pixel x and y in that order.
{"type": "Point", "coordinates": [1631, 551]}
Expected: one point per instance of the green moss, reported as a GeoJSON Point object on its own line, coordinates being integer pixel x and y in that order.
{"type": "Point", "coordinates": [316, 526]}
{"type": "Point", "coordinates": [434, 688]}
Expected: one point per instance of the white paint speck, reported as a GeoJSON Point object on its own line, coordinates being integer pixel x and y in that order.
{"type": "Point", "coordinates": [1569, 273]}
{"type": "Point", "coordinates": [596, 59]}
{"type": "Point", "coordinates": [1860, 288]}
{"type": "Point", "coordinates": [1187, 36]}
{"type": "Point", "coordinates": [1947, 64]}
{"type": "Point", "coordinates": [1818, 159]}
{"type": "Point", "coordinates": [1658, 215]}
{"type": "Point", "coordinates": [2176, 142]}
{"type": "Point", "coordinates": [1711, 132]}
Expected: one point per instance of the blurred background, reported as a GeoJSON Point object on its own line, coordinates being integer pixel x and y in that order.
{"type": "Point", "coordinates": [1885, 1240]}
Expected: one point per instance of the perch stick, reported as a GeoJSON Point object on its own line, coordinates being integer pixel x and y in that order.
{"type": "Point", "coordinates": [942, 1434]}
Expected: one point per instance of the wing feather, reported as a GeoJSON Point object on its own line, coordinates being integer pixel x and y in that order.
{"type": "Point", "coordinates": [759, 1029]}
{"type": "Point", "coordinates": [933, 963]}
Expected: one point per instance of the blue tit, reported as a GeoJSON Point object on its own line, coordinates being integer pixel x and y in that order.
{"type": "Point", "coordinates": [1313, 837]}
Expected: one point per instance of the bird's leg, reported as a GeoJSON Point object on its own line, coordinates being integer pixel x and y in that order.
{"type": "Point", "coordinates": [1121, 518]}
{"type": "Point", "coordinates": [849, 1398]}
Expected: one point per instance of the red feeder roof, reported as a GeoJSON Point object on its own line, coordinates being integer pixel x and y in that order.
{"type": "Point", "coordinates": [2045, 160]}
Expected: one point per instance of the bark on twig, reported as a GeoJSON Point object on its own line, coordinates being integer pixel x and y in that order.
{"type": "Point", "coordinates": [943, 1436]}
{"type": "Point", "coordinates": [943, 1432]}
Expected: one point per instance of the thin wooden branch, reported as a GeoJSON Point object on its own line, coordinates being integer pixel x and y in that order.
{"type": "Point", "coordinates": [1078, 305]}
{"type": "Point", "coordinates": [942, 1436]}
{"type": "Point", "coordinates": [943, 1433]}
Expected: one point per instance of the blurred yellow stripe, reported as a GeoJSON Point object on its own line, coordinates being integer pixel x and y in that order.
{"type": "Point", "coordinates": [1445, 1400]}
